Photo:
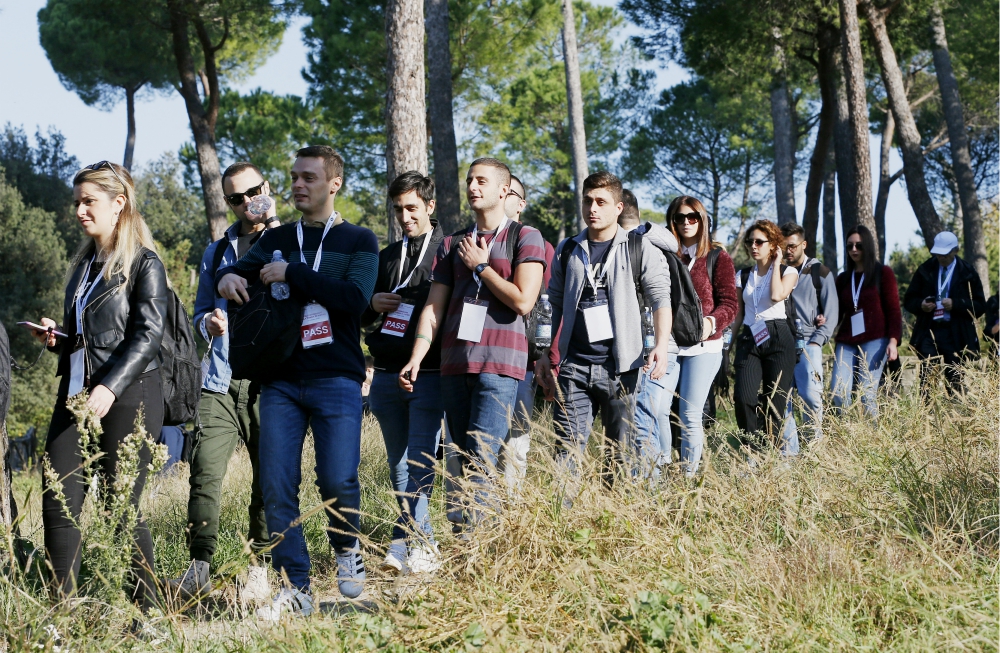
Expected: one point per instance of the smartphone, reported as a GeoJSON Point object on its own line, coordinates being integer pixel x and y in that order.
{"type": "Point", "coordinates": [40, 328]}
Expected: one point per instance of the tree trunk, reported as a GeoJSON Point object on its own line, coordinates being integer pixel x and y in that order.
{"type": "Point", "coordinates": [972, 219]}
{"type": "Point", "coordinates": [130, 119]}
{"type": "Point", "coordinates": [830, 212]}
{"type": "Point", "coordinates": [405, 113]}
{"type": "Point", "coordinates": [857, 110]}
{"type": "Point", "coordinates": [824, 137]}
{"type": "Point", "coordinates": [784, 140]}
{"type": "Point", "coordinates": [885, 179]}
{"type": "Point", "coordinates": [441, 116]}
{"type": "Point", "coordinates": [574, 96]}
{"type": "Point", "coordinates": [842, 147]}
{"type": "Point", "coordinates": [909, 136]}
{"type": "Point", "coordinates": [201, 115]}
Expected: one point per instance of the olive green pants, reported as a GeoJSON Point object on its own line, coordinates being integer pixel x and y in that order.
{"type": "Point", "coordinates": [223, 421]}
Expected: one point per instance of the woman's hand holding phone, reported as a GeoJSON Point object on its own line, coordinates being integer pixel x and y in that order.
{"type": "Point", "coordinates": [48, 336]}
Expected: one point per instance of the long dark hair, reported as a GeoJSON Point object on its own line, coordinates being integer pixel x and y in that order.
{"type": "Point", "coordinates": [871, 265]}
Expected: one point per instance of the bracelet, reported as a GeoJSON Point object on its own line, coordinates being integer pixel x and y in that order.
{"type": "Point", "coordinates": [423, 337]}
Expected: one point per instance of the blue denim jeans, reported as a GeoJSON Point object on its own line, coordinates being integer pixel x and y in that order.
{"type": "Point", "coordinates": [514, 454]}
{"type": "Point", "coordinates": [809, 386]}
{"type": "Point", "coordinates": [411, 429]}
{"type": "Point", "coordinates": [652, 417]}
{"type": "Point", "coordinates": [478, 408]}
{"type": "Point", "coordinates": [693, 376]}
{"type": "Point", "coordinates": [868, 359]}
{"type": "Point", "coordinates": [332, 407]}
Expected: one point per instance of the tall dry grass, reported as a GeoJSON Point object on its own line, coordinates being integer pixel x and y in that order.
{"type": "Point", "coordinates": [881, 537]}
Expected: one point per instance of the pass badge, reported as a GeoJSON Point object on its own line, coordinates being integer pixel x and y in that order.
{"type": "Point", "coordinates": [858, 323]}
{"type": "Point", "coordinates": [939, 311]}
{"type": "Point", "coordinates": [473, 320]}
{"type": "Point", "coordinates": [598, 319]}
{"type": "Point", "coordinates": [398, 321]}
{"type": "Point", "coordinates": [316, 329]}
{"type": "Point", "coordinates": [759, 331]}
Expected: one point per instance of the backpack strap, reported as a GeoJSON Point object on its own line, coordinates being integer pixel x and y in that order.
{"type": "Point", "coordinates": [635, 258]}
{"type": "Point", "coordinates": [220, 251]}
{"type": "Point", "coordinates": [710, 260]}
{"type": "Point", "coordinates": [565, 254]}
{"type": "Point", "coordinates": [513, 236]}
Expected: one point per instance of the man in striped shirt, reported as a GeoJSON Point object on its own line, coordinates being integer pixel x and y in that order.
{"type": "Point", "coordinates": [486, 278]}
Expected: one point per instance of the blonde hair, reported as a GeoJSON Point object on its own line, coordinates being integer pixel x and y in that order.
{"type": "Point", "coordinates": [704, 235]}
{"type": "Point", "coordinates": [131, 233]}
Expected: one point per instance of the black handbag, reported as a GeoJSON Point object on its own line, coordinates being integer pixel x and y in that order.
{"type": "Point", "coordinates": [263, 333]}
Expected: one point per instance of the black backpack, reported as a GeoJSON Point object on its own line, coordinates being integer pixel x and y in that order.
{"type": "Point", "coordinates": [531, 319]}
{"type": "Point", "coordinates": [180, 368]}
{"type": "Point", "coordinates": [263, 333]}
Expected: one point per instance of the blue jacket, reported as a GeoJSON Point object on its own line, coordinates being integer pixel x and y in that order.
{"type": "Point", "coordinates": [215, 368]}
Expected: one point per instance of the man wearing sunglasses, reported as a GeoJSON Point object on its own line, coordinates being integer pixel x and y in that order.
{"type": "Point", "coordinates": [228, 410]}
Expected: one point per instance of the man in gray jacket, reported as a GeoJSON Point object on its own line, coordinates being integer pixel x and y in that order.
{"type": "Point", "coordinates": [817, 307]}
{"type": "Point", "coordinates": [593, 293]}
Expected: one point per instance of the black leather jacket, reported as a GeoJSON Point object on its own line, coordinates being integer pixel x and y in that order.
{"type": "Point", "coordinates": [122, 328]}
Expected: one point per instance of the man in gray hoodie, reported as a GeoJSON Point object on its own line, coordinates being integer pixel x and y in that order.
{"type": "Point", "coordinates": [817, 306]}
{"type": "Point", "coordinates": [594, 295]}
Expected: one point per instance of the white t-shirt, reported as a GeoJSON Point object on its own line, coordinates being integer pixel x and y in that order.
{"type": "Point", "coordinates": [765, 308]}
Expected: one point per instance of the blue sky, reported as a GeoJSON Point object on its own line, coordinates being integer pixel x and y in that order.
{"type": "Point", "coordinates": [33, 96]}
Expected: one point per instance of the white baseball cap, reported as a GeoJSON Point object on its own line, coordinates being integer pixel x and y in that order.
{"type": "Point", "coordinates": [944, 242]}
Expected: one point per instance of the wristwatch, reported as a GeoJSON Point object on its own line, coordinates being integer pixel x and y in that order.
{"type": "Point", "coordinates": [481, 267]}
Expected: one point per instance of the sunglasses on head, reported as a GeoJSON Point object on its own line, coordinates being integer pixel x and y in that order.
{"type": "Point", "coordinates": [236, 199]}
{"type": "Point", "coordinates": [100, 164]}
{"type": "Point", "coordinates": [689, 218]}
{"type": "Point", "coordinates": [856, 246]}
{"type": "Point", "coordinates": [750, 242]}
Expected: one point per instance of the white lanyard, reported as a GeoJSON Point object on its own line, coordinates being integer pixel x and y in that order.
{"type": "Point", "coordinates": [489, 250]}
{"type": "Point", "coordinates": [694, 257]}
{"type": "Point", "coordinates": [944, 287]}
{"type": "Point", "coordinates": [402, 260]}
{"type": "Point", "coordinates": [758, 288]}
{"type": "Point", "coordinates": [319, 250]}
{"type": "Point", "coordinates": [82, 295]}
{"type": "Point", "coordinates": [856, 290]}
{"type": "Point", "coordinates": [801, 271]}
{"type": "Point", "coordinates": [608, 263]}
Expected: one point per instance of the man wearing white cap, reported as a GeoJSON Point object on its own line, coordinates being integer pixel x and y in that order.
{"type": "Point", "coordinates": [946, 296]}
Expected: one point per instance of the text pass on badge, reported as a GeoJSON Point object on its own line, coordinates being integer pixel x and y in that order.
{"type": "Point", "coordinates": [398, 321]}
{"type": "Point", "coordinates": [316, 329]}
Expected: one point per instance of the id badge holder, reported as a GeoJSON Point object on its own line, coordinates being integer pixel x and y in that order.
{"type": "Point", "coordinates": [598, 319]}
{"type": "Point", "coordinates": [470, 327]}
{"type": "Point", "coordinates": [939, 311]}
{"type": "Point", "coordinates": [316, 329]}
{"type": "Point", "coordinates": [396, 323]}
{"type": "Point", "coordinates": [858, 323]}
{"type": "Point", "coordinates": [759, 331]}
{"type": "Point", "coordinates": [76, 372]}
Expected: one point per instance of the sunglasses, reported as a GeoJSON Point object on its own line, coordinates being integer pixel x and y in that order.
{"type": "Point", "coordinates": [750, 242]}
{"type": "Point", "coordinates": [689, 218]}
{"type": "Point", "coordinates": [100, 164]}
{"type": "Point", "coordinates": [856, 246]}
{"type": "Point", "coordinates": [236, 199]}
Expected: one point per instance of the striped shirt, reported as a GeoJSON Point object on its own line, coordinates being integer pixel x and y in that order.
{"type": "Point", "coordinates": [503, 348]}
{"type": "Point", "coordinates": [343, 286]}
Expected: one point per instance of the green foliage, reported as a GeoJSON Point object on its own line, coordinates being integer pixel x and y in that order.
{"type": "Point", "coordinates": [98, 54]}
{"type": "Point", "coordinates": [31, 284]}
{"type": "Point", "coordinates": [671, 617]}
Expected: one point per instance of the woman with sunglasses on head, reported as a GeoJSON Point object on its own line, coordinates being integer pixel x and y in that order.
{"type": "Point", "coordinates": [765, 347]}
{"type": "Point", "coordinates": [871, 321]}
{"type": "Point", "coordinates": [713, 276]}
{"type": "Point", "coordinates": [114, 315]}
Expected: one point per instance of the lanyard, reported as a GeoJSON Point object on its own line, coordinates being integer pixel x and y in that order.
{"type": "Point", "coordinates": [801, 271]}
{"type": "Point", "coordinates": [319, 250]}
{"type": "Point", "coordinates": [758, 288]}
{"type": "Point", "coordinates": [693, 256]}
{"type": "Point", "coordinates": [402, 260]}
{"type": "Point", "coordinates": [946, 286]}
{"type": "Point", "coordinates": [592, 277]}
{"type": "Point", "coordinates": [489, 250]}
{"type": "Point", "coordinates": [856, 290]}
{"type": "Point", "coordinates": [82, 295]}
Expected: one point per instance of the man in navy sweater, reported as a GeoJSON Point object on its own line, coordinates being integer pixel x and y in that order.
{"type": "Point", "coordinates": [331, 267]}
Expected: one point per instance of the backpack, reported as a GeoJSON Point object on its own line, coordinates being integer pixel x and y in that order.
{"type": "Point", "coordinates": [531, 319]}
{"type": "Point", "coordinates": [688, 320]}
{"type": "Point", "coordinates": [180, 367]}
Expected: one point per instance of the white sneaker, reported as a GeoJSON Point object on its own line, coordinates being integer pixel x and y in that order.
{"type": "Point", "coordinates": [256, 589]}
{"type": "Point", "coordinates": [194, 584]}
{"type": "Point", "coordinates": [425, 558]}
{"type": "Point", "coordinates": [351, 573]}
{"type": "Point", "coordinates": [287, 601]}
{"type": "Point", "coordinates": [392, 564]}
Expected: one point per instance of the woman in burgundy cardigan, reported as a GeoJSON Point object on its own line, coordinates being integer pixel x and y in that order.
{"type": "Point", "coordinates": [698, 365]}
{"type": "Point", "coordinates": [871, 322]}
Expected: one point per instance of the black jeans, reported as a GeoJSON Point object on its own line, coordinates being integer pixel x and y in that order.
{"type": "Point", "coordinates": [62, 537]}
{"type": "Point", "coordinates": [940, 349]}
{"type": "Point", "coordinates": [760, 412]}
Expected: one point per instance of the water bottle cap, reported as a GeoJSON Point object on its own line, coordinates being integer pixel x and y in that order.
{"type": "Point", "coordinates": [545, 296]}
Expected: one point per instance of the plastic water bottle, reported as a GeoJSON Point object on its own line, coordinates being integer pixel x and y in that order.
{"type": "Point", "coordinates": [727, 337]}
{"type": "Point", "coordinates": [258, 206]}
{"type": "Point", "coordinates": [648, 334]}
{"type": "Point", "coordinates": [800, 338]}
{"type": "Point", "coordinates": [279, 289]}
{"type": "Point", "coordinates": [543, 323]}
